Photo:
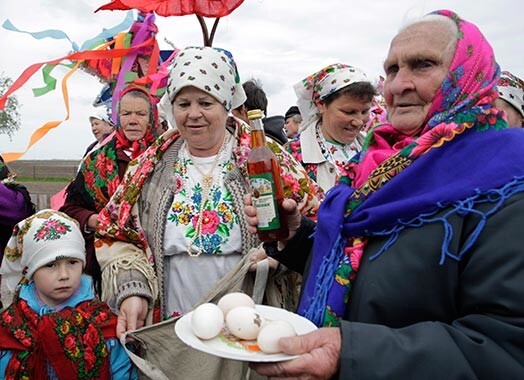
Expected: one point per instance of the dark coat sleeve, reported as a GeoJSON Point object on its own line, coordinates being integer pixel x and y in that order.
{"type": "Point", "coordinates": [78, 203]}
{"type": "Point", "coordinates": [15, 205]}
{"type": "Point", "coordinates": [295, 255]}
{"type": "Point", "coordinates": [468, 319]}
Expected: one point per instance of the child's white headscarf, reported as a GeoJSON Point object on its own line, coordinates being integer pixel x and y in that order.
{"type": "Point", "coordinates": [38, 240]}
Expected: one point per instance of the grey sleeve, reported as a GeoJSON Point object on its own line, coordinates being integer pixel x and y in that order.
{"type": "Point", "coordinates": [132, 283]}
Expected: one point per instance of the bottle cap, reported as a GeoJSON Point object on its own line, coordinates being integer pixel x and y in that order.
{"type": "Point", "coordinates": [255, 114]}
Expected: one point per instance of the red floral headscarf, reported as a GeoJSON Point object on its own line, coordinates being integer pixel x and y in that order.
{"type": "Point", "coordinates": [139, 146]}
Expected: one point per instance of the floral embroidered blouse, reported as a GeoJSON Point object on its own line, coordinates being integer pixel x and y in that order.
{"type": "Point", "coordinates": [119, 222]}
{"type": "Point", "coordinates": [217, 236]}
{"type": "Point", "coordinates": [324, 161]}
{"type": "Point", "coordinates": [220, 229]}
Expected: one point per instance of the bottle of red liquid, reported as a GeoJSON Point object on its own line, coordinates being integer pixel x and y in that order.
{"type": "Point", "coordinates": [266, 184]}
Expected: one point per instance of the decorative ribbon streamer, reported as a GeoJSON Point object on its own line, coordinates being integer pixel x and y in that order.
{"type": "Point", "coordinates": [49, 80]}
{"type": "Point", "coordinates": [77, 56]}
{"type": "Point", "coordinates": [97, 54]}
{"type": "Point", "coordinates": [87, 45]}
{"type": "Point", "coordinates": [42, 131]}
{"type": "Point", "coordinates": [129, 60]}
{"type": "Point", "coordinates": [109, 33]}
{"type": "Point", "coordinates": [156, 78]}
{"type": "Point", "coordinates": [49, 33]}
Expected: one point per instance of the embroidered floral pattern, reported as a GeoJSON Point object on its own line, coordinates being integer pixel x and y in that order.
{"type": "Point", "coordinates": [13, 253]}
{"type": "Point", "coordinates": [338, 155]}
{"type": "Point", "coordinates": [119, 220]}
{"type": "Point", "coordinates": [51, 229]}
{"type": "Point", "coordinates": [339, 75]}
{"type": "Point", "coordinates": [83, 345]}
{"type": "Point", "coordinates": [99, 173]}
{"type": "Point", "coordinates": [218, 217]}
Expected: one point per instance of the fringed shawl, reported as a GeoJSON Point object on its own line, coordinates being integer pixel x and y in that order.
{"type": "Point", "coordinates": [463, 157]}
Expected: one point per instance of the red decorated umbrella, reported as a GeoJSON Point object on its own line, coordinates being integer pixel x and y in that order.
{"type": "Point", "coordinates": [200, 8]}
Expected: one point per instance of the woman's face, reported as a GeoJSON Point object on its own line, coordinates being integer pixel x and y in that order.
{"type": "Point", "coordinates": [343, 118]}
{"type": "Point", "coordinates": [513, 116]}
{"type": "Point", "coordinates": [134, 116]}
{"type": "Point", "coordinates": [100, 128]}
{"type": "Point", "coordinates": [201, 120]}
{"type": "Point", "coordinates": [418, 61]}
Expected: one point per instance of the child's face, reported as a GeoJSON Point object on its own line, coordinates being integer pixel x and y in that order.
{"type": "Point", "coordinates": [58, 280]}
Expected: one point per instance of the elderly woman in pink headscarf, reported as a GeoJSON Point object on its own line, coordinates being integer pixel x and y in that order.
{"type": "Point", "coordinates": [416, 263]}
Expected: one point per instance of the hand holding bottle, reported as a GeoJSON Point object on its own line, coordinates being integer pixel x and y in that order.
{"type": "Point", "coordinates": [266, 183]}
{"type": "Point", "coordinates": [291, 215]}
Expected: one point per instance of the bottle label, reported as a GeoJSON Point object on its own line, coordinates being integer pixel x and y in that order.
{"type": "Point", "coordinates": [264, 200]}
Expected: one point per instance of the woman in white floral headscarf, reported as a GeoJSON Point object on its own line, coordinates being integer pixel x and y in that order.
{"type": "Point", "coordinates": [511, 98]}
{"type": "Point", "coordinates": [175, 226]}
{"type": "Point", "coordinates": [335, 104]}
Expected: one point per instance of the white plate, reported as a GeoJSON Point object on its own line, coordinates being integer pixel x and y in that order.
{"type": "Point", "coordinates": [228, 347]}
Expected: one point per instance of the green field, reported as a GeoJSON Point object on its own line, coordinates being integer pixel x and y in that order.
{"type": "Point", "coordinates": [32, 179]}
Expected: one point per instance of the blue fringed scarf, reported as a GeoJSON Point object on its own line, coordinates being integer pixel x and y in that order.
{"type": "Point", "coordinates": [474, 168]}
{"type": "Point", "coordinates": [462, 157]}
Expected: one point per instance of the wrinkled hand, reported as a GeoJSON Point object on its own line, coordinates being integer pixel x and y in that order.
{"type": "Point", "coordinates": [292, 215]}
{"type": "Point", "coordinates": [258, 255]}
{"type": "Point", "coordinates": [319, 356]}
{"type": "Point", "coordinates": [132, 315]}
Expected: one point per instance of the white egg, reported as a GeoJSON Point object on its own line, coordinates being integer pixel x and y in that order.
{"type": "Point", "coordinates": [207, 320]}
{"type": "Point", "coordinates": [244, 322]}
{"type": "Point", "coordinates": [232, 300]}
{"type": "Point", "coordinates": [270, 334]}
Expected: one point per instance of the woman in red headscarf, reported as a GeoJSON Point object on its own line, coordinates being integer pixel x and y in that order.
{"type": "Point", "coordinates": [101, 172]}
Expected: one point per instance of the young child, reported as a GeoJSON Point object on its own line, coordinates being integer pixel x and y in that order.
{"type": "Point", "coordinates": [55, 328]}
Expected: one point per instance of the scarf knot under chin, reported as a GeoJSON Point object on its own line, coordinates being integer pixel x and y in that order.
{"type": "Point", "coordinates": [136, 147]}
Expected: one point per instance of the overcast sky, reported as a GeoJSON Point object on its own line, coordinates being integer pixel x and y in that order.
{"type": "Point", "coordinates": [276, 41]}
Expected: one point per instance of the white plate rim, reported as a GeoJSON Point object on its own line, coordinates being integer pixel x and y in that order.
{"type": "Point", "coordinates": [185, 334]}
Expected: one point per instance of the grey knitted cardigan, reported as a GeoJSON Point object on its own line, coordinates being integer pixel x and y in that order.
{"type": "Point", "coordinates": [154, 204]}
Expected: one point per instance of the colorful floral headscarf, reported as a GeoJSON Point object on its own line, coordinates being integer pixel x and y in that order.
{"type": "Point", "coordinates": [511, 89]}
{"type": "Point", "coordinates": [320, 85]}
{"type": "Point", "coordinates": [211, 70]}
{"type": "Point", "coordinates": [71, 341]}
{"type": "Point", "coordinates": [393, 184]}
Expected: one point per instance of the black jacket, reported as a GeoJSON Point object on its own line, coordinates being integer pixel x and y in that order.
{"type": "Point", "coordinates": [411, 318]}
{"type": "Point", "coordinates": [274, 127]}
